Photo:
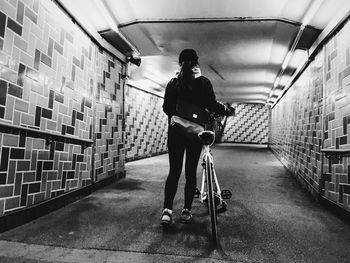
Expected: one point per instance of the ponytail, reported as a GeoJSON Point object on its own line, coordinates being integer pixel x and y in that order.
{"type": "Point", "coordinates": [186, 76]}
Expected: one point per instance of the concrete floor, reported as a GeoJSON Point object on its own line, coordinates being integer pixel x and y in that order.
{"type": "Point", "coordinates": [269, 219]}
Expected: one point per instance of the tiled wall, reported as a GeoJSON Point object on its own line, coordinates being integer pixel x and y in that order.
{"type": "Point", "coordinates": [296, 129]}
{"type": "Point", "coordinates": [146, 124]}
{"type": "Point", "coordinates": [54, 79]}
{"type": "Point", "coordinates": [250, 125]}
{"type": "Point", "coordinates": [337, 116]}
{"type": "Point", "coordinates": [315, 114]}
{"type": "Point", "coordinates": [109, 138]}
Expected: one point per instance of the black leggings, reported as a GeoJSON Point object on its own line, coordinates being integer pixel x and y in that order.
{"type": "Point", "coordinates": [177, 144]}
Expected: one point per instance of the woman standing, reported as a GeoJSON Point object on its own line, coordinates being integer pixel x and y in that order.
{"type": "Point", "coordinates": [188, 86]}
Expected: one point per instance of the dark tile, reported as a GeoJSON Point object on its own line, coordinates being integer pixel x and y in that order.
{"type": "Point", "coordinates": [343, 140]}
{"type": "Point", "coordinates": [74, 161]}
{"type": "Point", "coordinates": [31, 15]}
{"type": "Point", "coordinates": [108, 75]}
{"type": "Point", "coordinates": [70, 174]}
{"type": "Point", "coordinates": [337, 142]}
{"type": "Point", "coordinates": [76, 62]}
{"type": "Point", "coordinates": [346, 189]}
{"type": "Point", "coordinates": [14, 26]}
{"type": "Point", "coordinates": [58, 48]}
{"type": "Point", "coordinates": [70, 130]}
{"type": "Point", "coordinates": [52, 150]}
{"type": "Point", "coordinates": [24, 194]}
{"type": "Point", "coordinates": [48, 165]}
{"type": "Point", "coordinates": [80, 116]}
{"type": "Point", "coordinates": [2, 24]}
{"type": "Point", "coordinates": [36, 59]}
{"type": "Point", "coordinates": [64, 129]}
{"type": "Point", "coordinates": [46, 60]}
{"type": "Point", "coordinates": [37, 116]}
{"type": "Point", "coordinates": [3, 92]}
{"type": "Point", "coordinates": [3, 177]}
{"type": "Point", "coordinates": [88, 103]}
{"type": "Point", "coordinates": [2, 112]}
{"type": "Point", "coordinates": [64, 178]}
{"type": "Point", "coordinates": [15, 90]}
{"type": "Point", "coordinates": [73, 117]}
{"type": "Point", "coordinates": [1, 44]}
{"type": "Point", "coordinates": [46, 113]}
{"type": "Point", "coordinates": [80, 158]}
{"type": "Point", "coordinates": [20, 12]}
{"type": "Point", "coordinates": [59, 98]}
{"type": "Point", "coordinates": [59, 146]}
{"type": "Point", "coordinates": [17, 153]}
{"type": "Point", "coordinates": [4, 158]}
{"type": "Point", "coordinates": [39, 169]}
{"type": "Point", "coordinates": [34, 188]}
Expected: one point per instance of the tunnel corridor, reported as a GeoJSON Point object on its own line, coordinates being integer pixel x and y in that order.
{"type": "Point", "coordinates": [269, 219]}
{"type": "Point", "coordinates": [83, 136]}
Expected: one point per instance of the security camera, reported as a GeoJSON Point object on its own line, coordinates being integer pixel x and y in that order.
{"type": "Point", "coordinates": [134, 60]}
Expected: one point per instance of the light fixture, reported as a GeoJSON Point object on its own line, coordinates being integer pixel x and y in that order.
{"type": "Point", "coordinates": [134, 60]}
{"type": "Point", "coordinates": [306, 20]}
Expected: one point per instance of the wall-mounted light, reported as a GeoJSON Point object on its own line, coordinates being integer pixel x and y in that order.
{"type": "Point", "coordinates": [134, 60]}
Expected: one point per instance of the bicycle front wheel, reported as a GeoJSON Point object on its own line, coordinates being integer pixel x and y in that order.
{"type": "Point", "coordinates": [211, 200]}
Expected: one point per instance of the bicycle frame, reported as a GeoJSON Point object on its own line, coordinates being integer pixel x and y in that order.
{"type": "Point", "coordinates": [203, 193]}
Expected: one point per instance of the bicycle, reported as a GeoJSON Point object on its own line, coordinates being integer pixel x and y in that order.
{"type": "Point", "coordinates": [210, 192]}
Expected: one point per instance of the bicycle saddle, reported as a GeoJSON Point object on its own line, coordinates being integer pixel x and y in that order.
{"type": "Point", "coordinates": [207, 137]}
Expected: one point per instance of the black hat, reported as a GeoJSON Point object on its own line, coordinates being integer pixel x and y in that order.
{"type": "Point", "coordinates": [188, 55]}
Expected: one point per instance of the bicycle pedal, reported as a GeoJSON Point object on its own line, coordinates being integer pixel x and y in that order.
{"type": "Point", "coordinates": [196, 193]}
{"type": "Point", "coordinates": [226, 194]}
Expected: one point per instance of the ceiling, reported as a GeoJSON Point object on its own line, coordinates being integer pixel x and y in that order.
{"type": "Point", "coordinates": [250, 50]}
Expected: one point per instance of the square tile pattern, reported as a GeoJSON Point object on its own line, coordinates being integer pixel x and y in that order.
{"type": "Point", "coordinates": [315, 114]}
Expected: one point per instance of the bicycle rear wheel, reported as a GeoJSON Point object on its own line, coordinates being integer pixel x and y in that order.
{"type": "Point", "coordinates": [211, 201]}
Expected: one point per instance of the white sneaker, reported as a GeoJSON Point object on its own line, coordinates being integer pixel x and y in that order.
{"type": "Point", "coordinates": [167, 217]}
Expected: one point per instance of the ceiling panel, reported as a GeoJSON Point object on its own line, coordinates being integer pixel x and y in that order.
{"type": "Point", "coordinates": [242, 45]}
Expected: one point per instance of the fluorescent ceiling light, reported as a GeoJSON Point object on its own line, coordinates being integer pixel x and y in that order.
{"type": "Point", "coordinates": [298, 59]}
{"type": "Point", "coordinates": [287, 59]}
{"type": "Point", "coordinates": [284, 80]}
{"type": "Point", "coordinates": [277, 81]}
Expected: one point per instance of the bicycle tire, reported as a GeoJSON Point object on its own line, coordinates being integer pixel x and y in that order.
{"type": "Point", "coordinates": [211, 202]}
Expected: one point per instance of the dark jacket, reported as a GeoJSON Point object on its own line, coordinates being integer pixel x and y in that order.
{"type": "Point", "coordinates": [200, 93]}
